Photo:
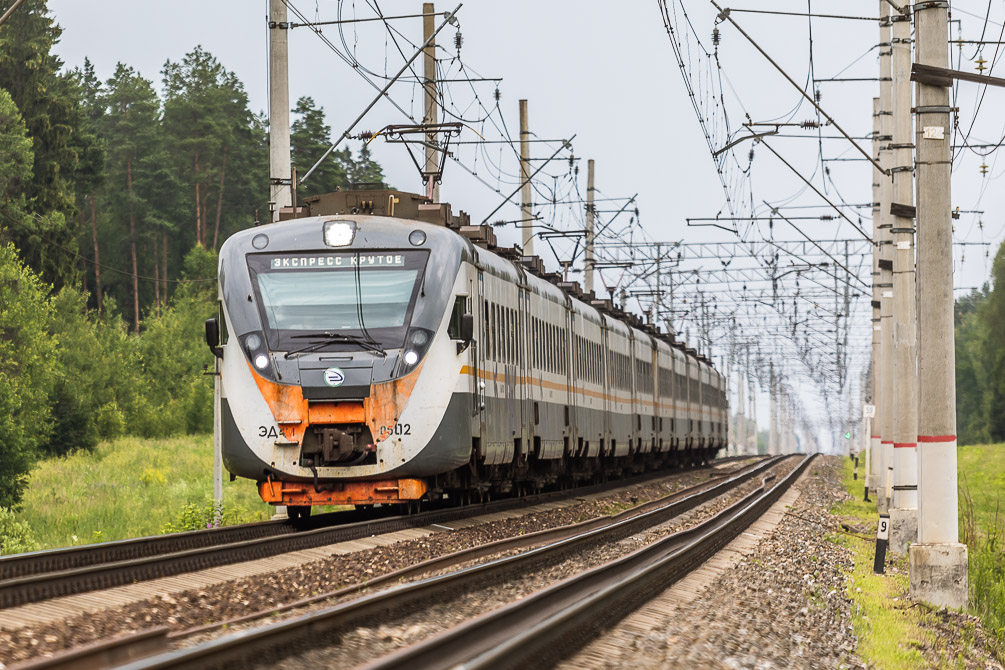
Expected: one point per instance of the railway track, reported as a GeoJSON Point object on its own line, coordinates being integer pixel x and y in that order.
{"type": "Point", "coordinates": [37, 576]}
{"type": "Point", "coordinates": [268, 643]}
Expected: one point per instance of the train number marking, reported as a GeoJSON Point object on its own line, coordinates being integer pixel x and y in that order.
{"type": "Point", "coordinates": [268, 431]}
{"type": "Point", "coordinates": [396, 429]}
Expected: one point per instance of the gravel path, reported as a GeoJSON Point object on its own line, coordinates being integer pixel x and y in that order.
{"type": "Point", "coordinates": [188, 609]}
{"type": "Point", "coordinates": [780, 607]}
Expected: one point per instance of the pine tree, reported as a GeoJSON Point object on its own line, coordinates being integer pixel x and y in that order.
{"type": "Point", "coordinates": [310, 138]}
{"type": "Point", "coordinates": [131, 128]}
{"type": "Point", "coordinates": [365, 170]}
{"type": "Point", "coordinates": [50, 106]}
{"type": "Point", "coordinates": [90, 169]}
{"type": "Point", "coordinates": [207, 121]}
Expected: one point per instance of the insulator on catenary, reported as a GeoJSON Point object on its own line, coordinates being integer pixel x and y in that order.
{"type": "Point", "coordinates": [497, 95]}
{"type": "Point", "coordinates": [715, 36]}
{"type": "Point", "coordinates": [816, 95]}
{"type": "Point", "coordinates": [810, 124]}
{"type": "Point", "coordinates": [458, 40]}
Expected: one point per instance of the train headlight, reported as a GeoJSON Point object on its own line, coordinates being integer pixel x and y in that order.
{"type": "Point", "coordinates": [339, 233]}
{"type": "Point", "coordinates": [416, 343]}
{"type": "Point", "coordinates": [257, 352]}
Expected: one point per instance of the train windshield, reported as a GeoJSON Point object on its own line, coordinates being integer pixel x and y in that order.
{"type": "Point", "coordinates": [358, 294]}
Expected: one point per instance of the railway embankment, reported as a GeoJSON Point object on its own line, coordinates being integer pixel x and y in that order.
{"type": "Point", "coordinates": [801, 596]}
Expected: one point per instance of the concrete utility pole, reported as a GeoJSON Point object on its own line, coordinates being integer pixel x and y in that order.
{"type": "Point", "coordinates": [588, 251]}
{"type": "Point", "coordinates": [431, 93]}
{"type": "Point", "coordinates": [938, 561]}
{"type": "Point", "coordinates": [885, 407]}
{"type": "Point", "coordinates": [741, 421]}
{"type": "Point", "coordinates": [280, 164]}
{"type": "Point", "coordinates": [752, 410]}
{"type": "Point", "coordinates": [525, 191]}
{"type": "Point", "coordinates": [904, 510]}
{"type": "Point", "coordinates": [874, 458]}
{"type": "Point", "coordinates": [280, 191]}
{"type": "Point", "coordinates": [772, 411]}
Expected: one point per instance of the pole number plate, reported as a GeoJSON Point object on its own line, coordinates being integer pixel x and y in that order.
{"type": "Point", "coordinates": [883, 530]}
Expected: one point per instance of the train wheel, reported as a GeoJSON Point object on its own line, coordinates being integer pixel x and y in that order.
{"type": "Point", "coordinates": [298, 511]}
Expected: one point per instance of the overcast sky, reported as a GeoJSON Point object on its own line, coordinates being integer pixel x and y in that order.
{"type": "Point", "coordinates": [602, 71]}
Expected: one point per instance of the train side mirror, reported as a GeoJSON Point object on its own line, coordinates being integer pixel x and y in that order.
{"type": "Point", "coordinates": [466, 332]}
{"type": "Point", "coordinates": [213, 337]}
{"type": "Point", "coordinates": [467, 327]}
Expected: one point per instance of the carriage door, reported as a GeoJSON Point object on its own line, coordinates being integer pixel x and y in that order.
{"type": "Point", "coordinates": [524, 400]}
{"type": "Point", "coordinates": [478, 359]}
{"type": "Point", "coordinates": [569, 430]}
{"type": "Point", "coordinates": [606, 377]}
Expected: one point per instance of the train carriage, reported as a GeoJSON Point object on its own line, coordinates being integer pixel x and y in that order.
{"type": "Point", "coordinates": [380, 359]}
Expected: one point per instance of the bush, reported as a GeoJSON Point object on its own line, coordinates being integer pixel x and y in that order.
{"type": "Point", "coordinates": [29, 370]}
{"type": "Point", "coordinates": [197, 517]}
{"type": "Point", "coordinates": [16, 537]}
{"type": "Point", "coordinates": [101, 374]}
{"type": "Point", "coordinates": [174, 354]}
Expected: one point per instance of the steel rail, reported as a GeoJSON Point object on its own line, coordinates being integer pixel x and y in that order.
{"type": "Point", "coordinates": [102, 653]}
{"type": "Point", "coordinates": [549, 624]}
{"type": "Point", "coordinates": [66, 558]}
{"type": "Point", "coordinates": [118, 569]}
{"type": "Point", "coordinates": [257, 645]}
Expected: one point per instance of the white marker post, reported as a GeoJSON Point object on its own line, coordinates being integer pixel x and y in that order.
{"type": "Point", "coordinates": [882, 538]}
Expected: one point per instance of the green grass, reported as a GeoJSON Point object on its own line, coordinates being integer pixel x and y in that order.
{"type": "Point", "coordinates": [982, 525]}
{"type": "Point", "coordinates": [890, 632]}
{"type": "Point", "coordinates": [982, 474]}
{"type": "Point", "coordinates": [130, 487]}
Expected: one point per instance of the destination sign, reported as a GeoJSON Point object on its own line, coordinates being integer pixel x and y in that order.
{"type": "Point", "coordinates": [310, 261]}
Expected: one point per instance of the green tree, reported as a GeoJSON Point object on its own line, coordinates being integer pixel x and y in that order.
{"type": "Point", "coordinates": [15, 168]}
{"type": "Point", "coordinates": [131, 130]}
{"type": "Point", "coordinates": [28, 372]}
{"type": "Point", "coordinates": [992, 315]}
{"type": "Point", "coordinates": [50, 106]}
{"type": "Point", "coordinates": [89, 176]}
{"type": "Point", "coordinates": [101, 383]}
{"type": "Point", "coordinates": [310, 138]}
{"type": "Point", "coordinates": [365, 170]}
{"type": "Point", "coordinates": [174, 355]}
{"type": "Point", "coordinates": [215, 140]}
{"type": "Point", "coordinates": [971, 370]}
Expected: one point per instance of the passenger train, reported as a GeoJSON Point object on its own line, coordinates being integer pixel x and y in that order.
{"type": "Point", "coordinates": [375, 348]}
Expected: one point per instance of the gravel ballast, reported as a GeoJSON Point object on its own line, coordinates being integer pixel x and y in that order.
{"type": "Point", "coordinates": [188, 609]}
{"type": "Point", "coordinates": [782, 606]}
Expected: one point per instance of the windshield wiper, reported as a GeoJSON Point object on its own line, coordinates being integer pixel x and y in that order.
{"type": "Point", "coordinates": [325, 338]}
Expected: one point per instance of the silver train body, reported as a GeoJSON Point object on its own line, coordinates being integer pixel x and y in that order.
{"type": "Point", "coordinates": [369, 359]}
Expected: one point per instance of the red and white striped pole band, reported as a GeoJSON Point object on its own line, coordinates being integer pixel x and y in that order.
{"type": "Point", "coordinates": [936, 438]}
{"type": "Point", "coordinates": [876, 437]}
{"type": "Point", "coordinates": [905, 445]}
{"type": "Point", "coordinates": [887, 442]}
